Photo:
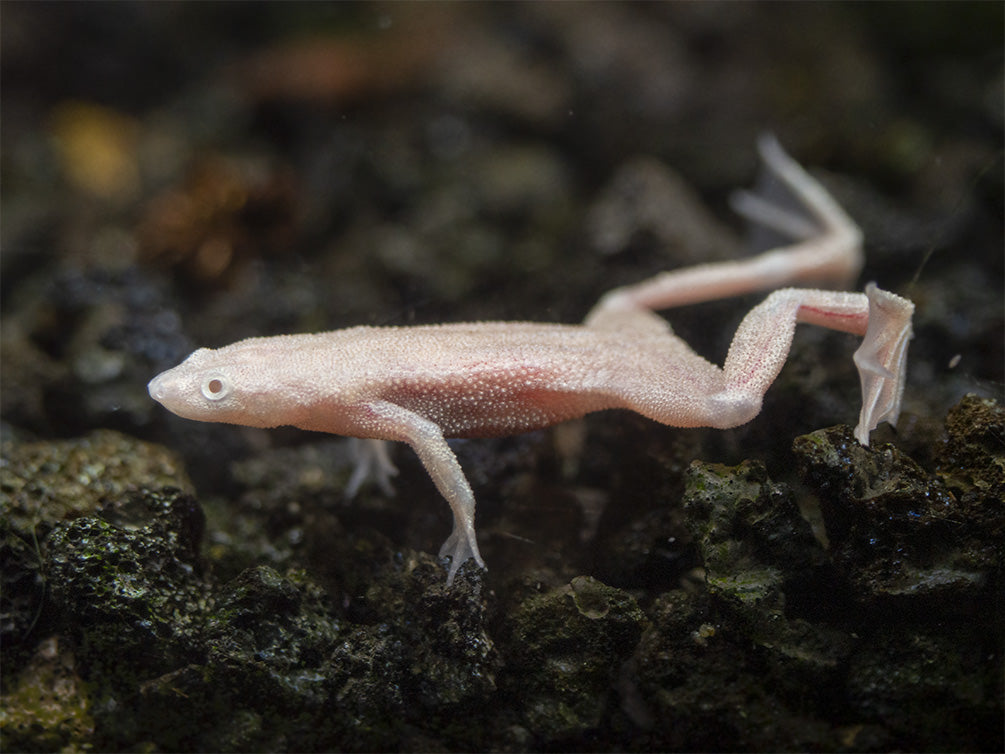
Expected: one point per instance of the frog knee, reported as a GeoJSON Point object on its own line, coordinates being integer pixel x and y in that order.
{"type": "Point", "coordinates": [726, 409]}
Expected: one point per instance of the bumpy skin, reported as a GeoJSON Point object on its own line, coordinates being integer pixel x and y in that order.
{"type": "Point", "coordinates": [420, 385]}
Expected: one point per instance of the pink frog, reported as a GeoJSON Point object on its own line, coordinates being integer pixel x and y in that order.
{"type": "Point", "coordinates": [421, 385]}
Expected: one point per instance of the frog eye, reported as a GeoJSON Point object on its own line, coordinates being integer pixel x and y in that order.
{"type": "Point", "coordinates": [215, 387]}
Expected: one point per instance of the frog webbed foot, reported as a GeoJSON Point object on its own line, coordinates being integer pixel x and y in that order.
{"type": "Point", "coordinates": [459, 547]}
{"type": "Point", "coordinates": [882, 359]}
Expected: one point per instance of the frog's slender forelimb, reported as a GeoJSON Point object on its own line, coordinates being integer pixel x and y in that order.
{"type": "Point", "coordinates": [426, 438]}
{"type": "Point", "coordinates": [371, 461]}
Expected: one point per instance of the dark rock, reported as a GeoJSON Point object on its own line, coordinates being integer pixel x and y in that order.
{"type": "Point", "coordinates": [563, 649]}
{"type": "Point", "coordinates": [424, 653]}
{"type": "Point", "coordinates": [933, 689]}
{"type": "Point", "coordinates": [131, 575]}
{"type": "Point", "coordinates": [47, 484]}
{"type": "Point", "coordinates": [46, 705]}
{"type": "Point", "coordinates": [264, 657]}
{"type": "Point", "coordinates": [898, 535]}
{"type": "Point", "coordinates": [695, 684]}
{"type": "Point", "coordinates": [754, 543]}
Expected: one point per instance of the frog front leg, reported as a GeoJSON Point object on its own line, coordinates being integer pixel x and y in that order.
{"type": "Point", "coordinates": [371, 462]}
{"type": "Point", "coordinates": [392, 421]}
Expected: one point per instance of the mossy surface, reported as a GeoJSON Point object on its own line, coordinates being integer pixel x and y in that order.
{"type": "Point", "coordinates": [138, 639]}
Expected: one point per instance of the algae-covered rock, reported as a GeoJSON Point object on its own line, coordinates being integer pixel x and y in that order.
{"type": "Point", "coordinates": [919, 551]}
{"type": "Point", "coordinates": [42, 483]}
{"type": "Point", "coordinates": [124, 584]}
{"type": "Point", "coordinates": [46, 706]}
{"type": "Point", "coordinates": [564, 648]}
{"type": "Point", "coordinates": [769, 579]}
{"type": "Point", "coordinates": [780, 647]}
{"type": "Point", "coordinates": [130, 574]}
{"type": "Point", "coordinates": [45, 483]}
{"type": "Point", "coordinates": [899, 534]}
{"type": "Point", "coordinates": [932, 687]}
{"type": "Point", "coordinates": [974, 439]}
{"type": "Point", "coordinates": [419, 651]}
{"type": "Point", "coordinates": [971, 464]}
{"type": "Point", "coordinates": [696, 685]}
{"type": "Point", "coordinates": [753, 541]}
{"type": "Point", "coordinates": [263, 655]}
